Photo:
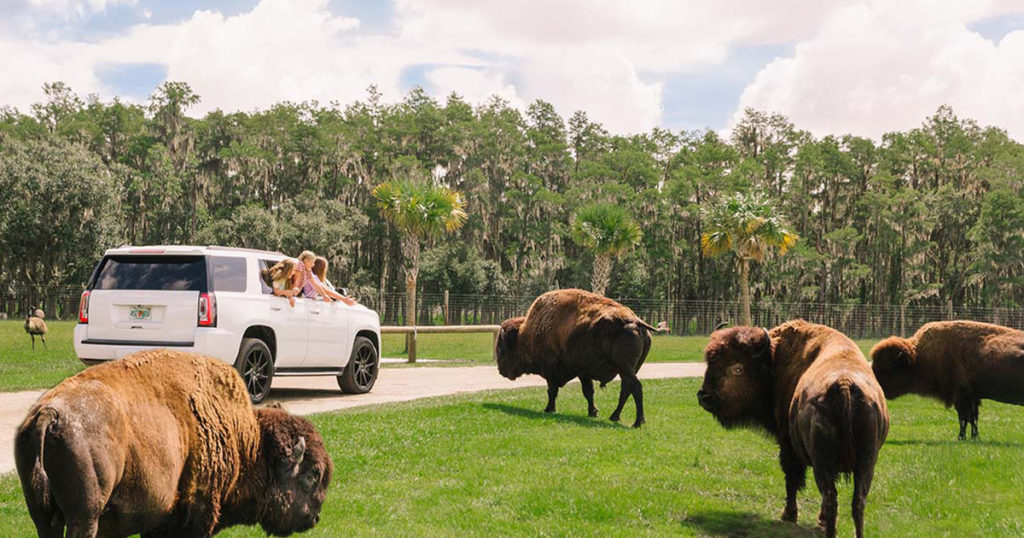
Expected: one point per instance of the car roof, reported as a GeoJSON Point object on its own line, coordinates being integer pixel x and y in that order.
{"type": "Point", "coordinates": [187, 249]}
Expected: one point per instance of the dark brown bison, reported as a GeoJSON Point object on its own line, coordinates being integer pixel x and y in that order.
{"type": "Point", "coordinates": [957, 362]}
{"type": "Point", "coordinates": [166, 443]}
{"type": "Point", "coordinates": [575, 333]}
{"type": "Point", "coordinates": [811, 388]}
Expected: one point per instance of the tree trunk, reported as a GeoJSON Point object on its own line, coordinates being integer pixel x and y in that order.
{"type": "Point", "coordinates": [602, 273]}
{"type": "Point", "coordinates": [411, 252]}
{"type": "Point", "coordinates": [745, 292]}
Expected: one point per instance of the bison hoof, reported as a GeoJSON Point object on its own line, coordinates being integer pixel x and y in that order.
{"type": "Point", "coordinates": [789, 514]}
{"type": "Point", "coordinates": [549, 409]}
{"type": "Point", "coordinates": [614, 418]}
{"type": "Point", "coordinates": [638, 423]}
{"type": "Point", "coordinates": [592, 412]}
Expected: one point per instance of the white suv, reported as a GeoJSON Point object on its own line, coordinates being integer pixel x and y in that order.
{"type": "Point", "coordinates": [211, 300]}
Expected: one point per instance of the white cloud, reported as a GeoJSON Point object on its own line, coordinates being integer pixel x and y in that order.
{"type": "Point", "coordinates": [880, 66]}
{"type": "Point", "coordinates": [475, 85]}
{"type": "Point", "coordinates": [281, 50]}
{"type": "Point", "coordinates": [864, 66]}
{"type": "Point", "coordinates": [78, 7]}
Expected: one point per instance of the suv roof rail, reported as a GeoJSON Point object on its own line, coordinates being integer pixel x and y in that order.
{"type": "Point", "coordinates": [242, 249]}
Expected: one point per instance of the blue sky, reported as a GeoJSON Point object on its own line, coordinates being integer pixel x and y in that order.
{"type": "Point", "coordinates": [689, 67]}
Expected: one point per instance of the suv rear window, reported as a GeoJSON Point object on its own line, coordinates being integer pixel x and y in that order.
{"type": "Point", "coordinates": [228, 273]}
{"type": "Point", "coordinates": [178, 273]}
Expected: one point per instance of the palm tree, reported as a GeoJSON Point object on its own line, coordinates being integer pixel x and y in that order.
{"type": "Point", "coordinates": [422, 211]}
{"type": "Point", "coordinates": [748, 226]}
{"type": "Point", "coordinates": [608, 231]}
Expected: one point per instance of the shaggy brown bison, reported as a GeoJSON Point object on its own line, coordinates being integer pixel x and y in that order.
{"type": "Point", "coordinates": [957, 362]}
{"type": "Point", "coordinates": [165, 443]}
{"type": "Point", "coordinates": [810, 387]}
{"type": "Point", "coordinates": [575, 333]}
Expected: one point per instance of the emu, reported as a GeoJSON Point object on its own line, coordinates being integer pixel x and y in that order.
{"type": "Point", "coordinates": [34, 325]}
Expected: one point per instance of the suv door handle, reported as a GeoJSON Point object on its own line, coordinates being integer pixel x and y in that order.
{"type": "Point", "coordinates": [275, 308]}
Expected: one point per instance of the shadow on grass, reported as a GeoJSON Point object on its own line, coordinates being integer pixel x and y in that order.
{"type": "Point", "coordinates": [952, 442]}
{"type": "Point", "coordinates": [739, 524]}
{"type": "Point", "coordinates": [599, 422]}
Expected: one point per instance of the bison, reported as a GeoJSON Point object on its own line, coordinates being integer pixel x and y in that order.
{"type": "Point", "coordinates": [166, 443]}
{"type": "Point", "coordinates": [956, 362]}
{"type": "Point", "coordinates": [575, 333]}
{"type": "Point", "coordinates": [810, 387]}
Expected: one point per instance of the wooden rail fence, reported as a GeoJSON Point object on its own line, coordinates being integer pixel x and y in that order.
{"type": "Point", "coordinates": [415, 331]}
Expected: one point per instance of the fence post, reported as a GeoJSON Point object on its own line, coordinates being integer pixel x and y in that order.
{"type": "Point", "coordinates": [446, 307]}
{"type": "Point", "coordinates": [903, 314]}
{"type": "Point", "coordinates": [412, 346]}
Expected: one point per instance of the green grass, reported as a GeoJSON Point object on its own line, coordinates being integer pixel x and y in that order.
{"type": "Point", "coordinates": [22, 368]}
{"type": "Point", "coordinates": [479, 348]}
{"type": "Point", "coordinates": [491, 464]}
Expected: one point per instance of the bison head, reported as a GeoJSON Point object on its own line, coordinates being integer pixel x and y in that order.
{"type": "Point", "coordinates": [893, 360]}
{"type": "Point", "coordinates": [738, 385]}
{"type": "Point", "coordinates": [509, 363]}
{"type": "Point", "coordinates": [298, 472]}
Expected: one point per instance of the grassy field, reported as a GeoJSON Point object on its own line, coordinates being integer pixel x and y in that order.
{"type": "Point", "coordinates": [492, 464]}
{"type": "Point", "coordinates": [478, 348]}
{"type": "Point", "coordinates": [21, 368]}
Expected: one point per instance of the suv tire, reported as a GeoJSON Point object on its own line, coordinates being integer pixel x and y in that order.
{"type": "Point", "coordinates": [361, 371]}
{"type": "Point", "coordinates": [255, 364]}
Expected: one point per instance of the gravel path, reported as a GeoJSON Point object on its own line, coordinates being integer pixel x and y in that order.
{"type": "Point", "coordinates": [307, 395]}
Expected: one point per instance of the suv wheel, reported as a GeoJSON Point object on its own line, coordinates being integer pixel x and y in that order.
{"type": "Point", "coordinates": [361, 372]}
{"type": "Point", "coordinates": [256, 366]}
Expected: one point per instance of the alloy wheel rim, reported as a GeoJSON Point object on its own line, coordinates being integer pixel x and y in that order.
{"type": "Point", "coordinates": [366, 366]}
{"type": "Point", "coordinates": [257, 372]}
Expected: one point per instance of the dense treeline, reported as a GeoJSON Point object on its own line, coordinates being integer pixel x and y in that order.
{"type": "Point", "coordinates": [930, 216]}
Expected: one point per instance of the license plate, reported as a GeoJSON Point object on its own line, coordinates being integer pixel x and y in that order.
{"type": "Point", "coordinates": [140, 313]}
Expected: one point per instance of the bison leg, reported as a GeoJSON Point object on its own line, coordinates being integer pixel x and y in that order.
{"type": "Point", "coordinates": [43, 338]}
{"type": "Point", "coordinates": [623, 396]}
{"type": "Point", "coordinates": [861, 486]}
{"type": "Point", "coordinates": [826, 481]}
{"type": "Point", "coordinates": [552, 394]}
{"type": "Point", "coordinates": [964, 404]}
{"type": "Point", "coordinates": [974, 419]}
{"type": "Point", "coordinates": [33, 341]}
{"type": "Point", "coordinates": [638, 399]}
{"type": "Point", "coordinates": [796, 476]}
{"type": "Point", "coordinates": [630, 386]}
{"type": "Point", "coordinates": [588, 392]}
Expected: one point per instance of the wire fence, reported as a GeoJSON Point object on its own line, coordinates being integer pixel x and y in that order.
{"type": "Point", "coordinates": [698, 317]}
{"type": "Point", "coordinates": [685, 317]}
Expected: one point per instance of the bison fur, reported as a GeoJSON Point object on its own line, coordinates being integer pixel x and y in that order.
{"type": "Point", "coordinates": [956, 362]}
{"type": "Point", "coordinates": [572, 333]}
{"type": "Point", "coordinates": [810, 388]}
{"type": "Point", "coordinates": [166, 443]}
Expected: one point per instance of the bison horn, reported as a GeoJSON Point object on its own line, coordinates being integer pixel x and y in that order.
{"type": "Point", "coordinates": [299, 452]}
{"type": "Point", "coordinates": [768, 341]}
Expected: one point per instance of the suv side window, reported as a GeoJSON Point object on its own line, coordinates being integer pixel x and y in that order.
{"type": "Point", "coordinates": [264, 264]}
{"type": "Point", "coordinates": [228, 273]}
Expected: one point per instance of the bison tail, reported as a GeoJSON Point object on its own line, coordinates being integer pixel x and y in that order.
{"type": "Point", "coordinates": [840, 398]}
{"type": "Point", "coordinates": [646, 325]}
{"type": "Point", "coordinates": [46, 418]}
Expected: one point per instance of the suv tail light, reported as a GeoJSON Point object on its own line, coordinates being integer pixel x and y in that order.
{"type": "Point", "coordinates": [83, 308]}
{"type": "Point", "coordinates": [207, 310]}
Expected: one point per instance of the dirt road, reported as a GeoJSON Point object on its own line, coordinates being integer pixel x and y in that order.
{"type": "Point", "coordinates": [307, 395]}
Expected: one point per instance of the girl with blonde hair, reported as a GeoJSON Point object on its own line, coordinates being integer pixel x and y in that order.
{"type": "Point", "coordinates": [279, 278]}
